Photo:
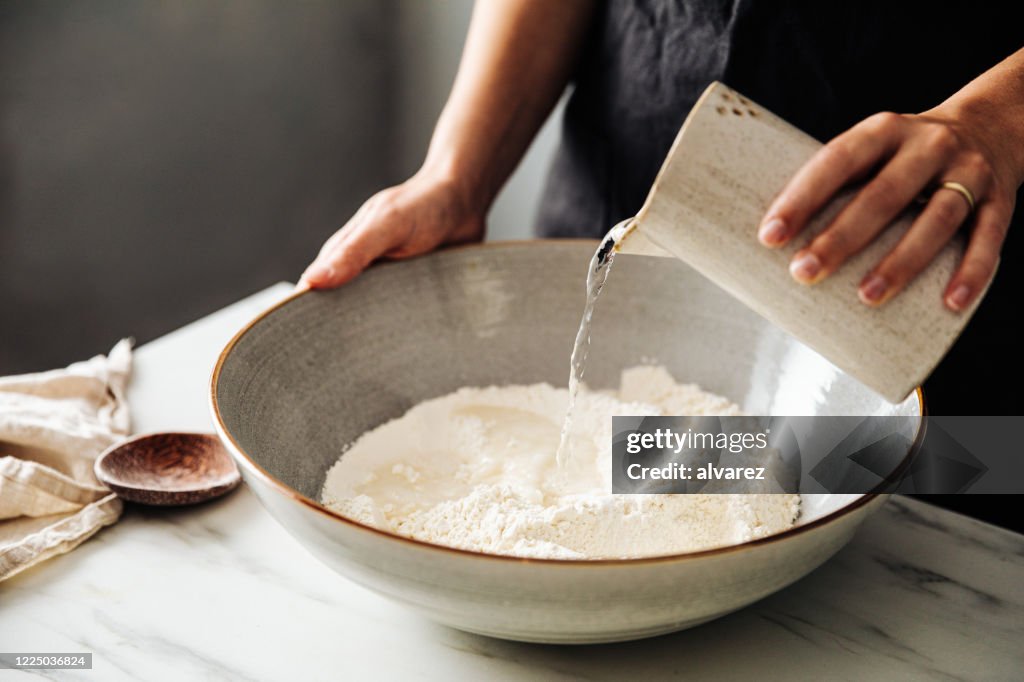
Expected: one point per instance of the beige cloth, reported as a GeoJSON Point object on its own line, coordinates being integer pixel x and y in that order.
{"type": "Point", "coordinates": [52, 427]}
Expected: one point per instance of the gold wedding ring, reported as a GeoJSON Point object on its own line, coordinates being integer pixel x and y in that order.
{"type": "Point", "coordinates": [962, 191]}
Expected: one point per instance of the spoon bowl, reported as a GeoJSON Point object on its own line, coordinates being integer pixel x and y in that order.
{"type": "Point", "coordinates": [168, 469]}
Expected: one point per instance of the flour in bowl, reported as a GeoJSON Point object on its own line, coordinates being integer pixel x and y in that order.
{"type": "Point", "coordinates": [476, 470]}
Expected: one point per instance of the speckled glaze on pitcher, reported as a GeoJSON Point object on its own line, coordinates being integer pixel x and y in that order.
{"type": "Point", "coordinates": [728, 162]}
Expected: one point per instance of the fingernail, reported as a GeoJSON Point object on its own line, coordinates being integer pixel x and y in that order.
{"type": "Point", "coordinates": [959, 297]}
{"type": "Point", "coordinates": [772, 232]}
{"type": "Point", "coordinates": [318, 273]}
{"type": "Point", "coordinates": [873, 289]}
{"type": "Point", "coordinates": [805, 267]}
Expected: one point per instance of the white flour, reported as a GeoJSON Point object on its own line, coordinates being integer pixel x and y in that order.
{"type": "Point", "coordinates": [476, 470]}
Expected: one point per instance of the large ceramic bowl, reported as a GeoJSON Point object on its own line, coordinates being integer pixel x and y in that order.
{"type": "Point", "coordinates": [313, 373]}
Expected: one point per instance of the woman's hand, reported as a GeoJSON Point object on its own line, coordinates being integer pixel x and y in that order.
{"type": "Point", "coordinates": [402, 221]}
{"type": "Point", "coordinates": [900, 158]}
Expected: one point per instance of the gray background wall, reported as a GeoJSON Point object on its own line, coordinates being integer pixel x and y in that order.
{"type": "Point", "coordinates": [159, 160]}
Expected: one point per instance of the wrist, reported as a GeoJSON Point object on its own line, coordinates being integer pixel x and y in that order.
{"type": "Point", "coordinates": [467, 183]}
{"type": "Point", "coordinates": [998, 126]}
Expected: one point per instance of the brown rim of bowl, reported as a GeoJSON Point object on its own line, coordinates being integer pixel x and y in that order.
{"type": "Point", "coordinates": [267, 478]}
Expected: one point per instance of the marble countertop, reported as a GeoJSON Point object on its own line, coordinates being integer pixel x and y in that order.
{"type": "Point", "coordinates": [220, 591]}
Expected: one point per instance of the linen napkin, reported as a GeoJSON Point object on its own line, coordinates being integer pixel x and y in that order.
{"type": "Point", "coordinates": [52, 427]}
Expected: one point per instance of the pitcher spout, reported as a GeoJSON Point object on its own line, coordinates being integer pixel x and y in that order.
{"type": "Point", "coordinates": [631, 239]}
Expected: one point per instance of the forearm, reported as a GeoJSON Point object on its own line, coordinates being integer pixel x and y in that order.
{"type": "Point", "coordinates": [518, 58]}
{"type": "Point", "coordinates": [993, 104]}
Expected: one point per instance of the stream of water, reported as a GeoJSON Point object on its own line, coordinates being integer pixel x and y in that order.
{"type": "Point", "coordinates": [597, 274]}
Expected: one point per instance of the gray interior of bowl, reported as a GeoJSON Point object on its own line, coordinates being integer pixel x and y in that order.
{"type": "Point", "coordinates": [314, 374]}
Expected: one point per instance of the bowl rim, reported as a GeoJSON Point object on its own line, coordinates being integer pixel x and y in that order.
{"type": "Point", "coordinates": [268, 479]}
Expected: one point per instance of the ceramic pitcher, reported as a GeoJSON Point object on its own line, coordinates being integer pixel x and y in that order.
{"type": "Point", "coordinates": [728, 162]}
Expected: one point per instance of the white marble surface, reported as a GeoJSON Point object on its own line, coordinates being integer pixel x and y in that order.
{"type": "Point", "coordinates": [222, 592]}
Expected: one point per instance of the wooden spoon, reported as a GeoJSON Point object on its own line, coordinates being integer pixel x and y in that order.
{"type": "Point", "coordinates": [168, 469]}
